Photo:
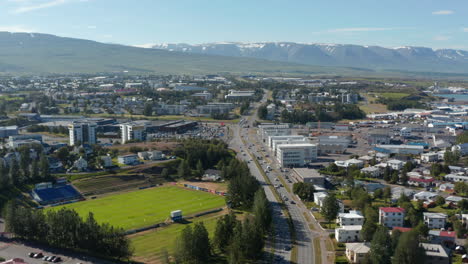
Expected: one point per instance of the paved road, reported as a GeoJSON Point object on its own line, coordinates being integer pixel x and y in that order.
{"type": "Point", "coordinates": [305, 236]}
{"type": "Point", "coordinates": [282, 237]}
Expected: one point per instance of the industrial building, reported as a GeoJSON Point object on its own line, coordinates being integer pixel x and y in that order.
{"type": "Point", "coordinates": [7, 131]}
{"type": "Point", "coordinates": [215, 108]}
{"type": "Point", "coordinates": [309, 176]}
{"type": "Point", "coordinates": [82, 133]}
{"type": "Point", "coordinates": [400, 149]}
{"type": "Point", "coordinates": [239, 95]}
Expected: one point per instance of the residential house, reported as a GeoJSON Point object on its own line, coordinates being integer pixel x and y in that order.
{"type": "Point", "coordinates": [81, 164]}
{"type": "Point", "coordinates": [425, 196]}
{"type": "Point", "coordinates": [372, 171]}
{"type": "Point", "coordinates": [446, 238]}
{"type": "Point", "coordinates": [357, 252]}
{"type": "Point", "coordinates": [348, 233]}
{"type": "Point", "coordinates": [130, 159]}
{"type": "Point", "coordinates": [391, 216]}
{"type": "Point", "coordinates": [456, 178]}
{"type": "Point", "coordinates": [429, 157]}
{"type": "Point", "coordinates": [395, 164]}
{"type": "Point", "coordinates": [421, 182]}
{"type": "Point", "coordinates": [435, 220]}
{"type": "Point", "coordinates": [106, 161]}
{"type": "Point", "coordinates": [435, 254]}
{"type": "Point", "coordinates": [351, 218]}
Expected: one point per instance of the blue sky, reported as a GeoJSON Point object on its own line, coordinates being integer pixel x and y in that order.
{"type": "Point", "coordinates": [430, 23]}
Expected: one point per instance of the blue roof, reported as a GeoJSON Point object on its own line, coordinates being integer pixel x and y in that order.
{"type": "Point", "coordinates": [57, 194]}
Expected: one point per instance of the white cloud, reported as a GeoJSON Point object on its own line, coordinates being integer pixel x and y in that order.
{"type": "Point", "coordinates": [16, 28]}
{"type": "Point", "coordinates": [441, 38]}
{"type": "Point", "coordinates": [443, 12]}
{"type": "Point", "coordinates": [32, 6]}
{"type": "Point", "coordinates": [360, 29]}
{"type": "Point", "coordinates": [465, 29]}
{"type": "Point", "coordinates": [92, 27]}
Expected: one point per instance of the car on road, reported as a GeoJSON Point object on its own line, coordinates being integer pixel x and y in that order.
{"type": "Point", "coordinates": [292, 202]}
{"type": "Point", "coordinates": [38, 255]}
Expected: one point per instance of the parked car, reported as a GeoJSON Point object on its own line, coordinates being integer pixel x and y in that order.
{"type": "Point", "coordinates": [38, 255]}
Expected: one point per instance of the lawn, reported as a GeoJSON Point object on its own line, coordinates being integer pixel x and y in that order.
{"type": "Point", "coordinates": [146, 207]}
{"type": "Point", "coordinates": [150, 245]}
{"type": "Point", "coordinates": [393, 95]}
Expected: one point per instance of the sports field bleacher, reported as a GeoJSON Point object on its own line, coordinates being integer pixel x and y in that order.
{"type": "Point", "coordinates": [56, 194]}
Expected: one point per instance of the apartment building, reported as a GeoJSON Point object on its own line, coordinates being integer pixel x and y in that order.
{"type": "Point", "coordinates": [391, 216]}
{"type": "Point", "coordinates": [82, 133]}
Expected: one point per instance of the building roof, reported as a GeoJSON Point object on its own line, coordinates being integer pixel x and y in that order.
{"type": "Point", "coordinates": [435, 215]}
{"type": "Point", "coordinates": [402, 229]}
{"type": "Point", "coordinates": [351, 227]}
{"type": "Point", "coordinates": [362, 248]}
{"type": "Point", "coordinates": [434, 250]}
{"type": "Point", "coordinates": [392, 209]}
{"type": "Point", "coordinates": [422, 180]}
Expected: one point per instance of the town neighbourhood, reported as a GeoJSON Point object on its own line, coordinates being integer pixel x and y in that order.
{"type": "Point", "coordinates": [301, 170]}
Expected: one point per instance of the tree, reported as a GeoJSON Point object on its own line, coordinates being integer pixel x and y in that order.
{"type": "Point", "coordinates": [387, 193]}
{"type": "Point", "coordinates": [369, 227]}
{"type": "Point", "coordinates": [44, 167]}
{"type": "Point", "coordinates": [461, 188]}
{"type": "Point", "coordinates": [224, 232]}
{"type": "Point", "coordinates": [261, 210]}
{"type": "Point", "coordinates": [381, 246]}
{"type": "Point", "coordinates": [184, 170]}
{"type": "Point", "coordinates": [378, 194]}
{"type": "Point", "coordinates": [199, 171]}
{"type": "Point", "coordinates": [463, 205]}
{"type": "Point", "coordinates": [451, 158]}
{"type": "Point", "coordinates": [262, 112]}
{"type": "Point", "coordinates": [165, 173]}
{"type": "Point", "coordinates": [35, 170]}
{"type": "Point", "coordinates": [440, 200]}
{"type": "Point", "coordinates": [15, 174]}
{"type": "Point", "coordinates": [201, 243]}
{"type": "Point", "coordinates": [148, 109]}
{"type": "Point", "coordinates": [184, 246]}
{"type": "Point", "coordinates": [408, 250]}
{"type": "Point", "coordinates": [304, 190]}
{"type": "Point", "coordinates": [330, 207]}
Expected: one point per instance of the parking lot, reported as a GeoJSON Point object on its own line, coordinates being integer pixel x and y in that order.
{"type": "Point", "coordinates": [11, 249]}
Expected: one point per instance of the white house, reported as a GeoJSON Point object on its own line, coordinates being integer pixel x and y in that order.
{"type": "Point", "coordinates": [372, 171]}
{"type": "Point", "coordinates": [395, 164]}
{"type": "Point", "coordinates": [351, 218]}
{"type": "Point", "coordinates": [357, 252]}
{"type": "Point", "coordinates": [81, 164]}
{"type": "Point", "coordinates": [348, 233]}
{"type": "Point", "coordinates": [435, 220]}
{"type": "Point", "coordinates": [107, 161]}
{"type": "Point", "coordinates": [319, 197]}
{"type": "Point", "coordinates": [456, 178]}
{"type": "Point", "coordinates": [130, 159]}
{"type": "Point", "coordinates": [349, 163]}
{"type": "Point", "coordinates": [429, 157]}
{"type": "Point", "coordinates": [424, 196]}
{"type": "Point", "coordinates": [391, 216]}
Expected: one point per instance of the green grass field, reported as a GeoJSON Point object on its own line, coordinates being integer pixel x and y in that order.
{"type": "Point", "coordinates": [146, 207]}
{"type": "Point", "coordinates": [393, 95]}
{"type": "Point", "coordinates": [149, 246]}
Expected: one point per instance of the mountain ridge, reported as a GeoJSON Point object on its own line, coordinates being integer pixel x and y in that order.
{"type": "Point", "coordinates": [409, 58]}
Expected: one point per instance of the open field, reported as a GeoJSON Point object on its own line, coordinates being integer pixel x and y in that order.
{"type": "Point", "coordinates": [393, 95]}
{"type": "Point", "coordinates": [145, 207]}
{"type": "Point", "coordinates": [369, 106]}
{"type": "Point", "coordinates": [150, 245]}
{"type": "Point", "coordinates": [111, 183]}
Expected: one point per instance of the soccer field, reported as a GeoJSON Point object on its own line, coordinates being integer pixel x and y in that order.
{"type": "Point", "coordinates": [146, 207]}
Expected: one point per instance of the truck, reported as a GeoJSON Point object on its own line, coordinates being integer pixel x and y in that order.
{"type": "Point", "coordinates": [176, 215]}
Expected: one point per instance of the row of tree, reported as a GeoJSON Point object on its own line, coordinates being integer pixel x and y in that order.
{"type": "Point", "coordinates": [25, 169]}
{"type": "Point", "coordinates": [240, 241]}
{"type": "Point", "coordinates": [66, 229]}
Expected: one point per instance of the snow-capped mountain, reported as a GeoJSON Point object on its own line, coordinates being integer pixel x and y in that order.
{"type": "Point", "coordinates": [373, 57]}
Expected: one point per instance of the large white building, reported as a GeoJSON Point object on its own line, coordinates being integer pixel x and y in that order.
{"type": "Point", "coordinates": [268, 130]}
{"type": "Point", "coordinates": [291, 141]}
{"type": "Point", "coordinates": [391, 216]}
{"type": "Point", "coordinates": [133, 131]}
{"type": "Point", "coordinates": [351, 218]}
{"type": "Point", "coordinates": [82, 132]}
{"type": "Point", "coordinates": [348, 233]}
{"type": "Point", "coordinates": [239, 95]}
{"type": "Point", "coordinates": [272, 139]}
{"type": "Point", "coordinates": [296, 155]}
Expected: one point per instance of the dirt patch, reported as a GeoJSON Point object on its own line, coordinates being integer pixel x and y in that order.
{"type": "Point", "coordinates": [217, 186]}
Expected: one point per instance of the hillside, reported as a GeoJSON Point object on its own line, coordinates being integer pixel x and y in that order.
{"type": "Point", "coordinates": [46, 54]}
{"type": "Point", "coordinates": [416, 59]}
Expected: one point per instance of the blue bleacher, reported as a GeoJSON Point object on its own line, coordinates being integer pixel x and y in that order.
{"type": "Point", "coordinates": [57, 194]}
